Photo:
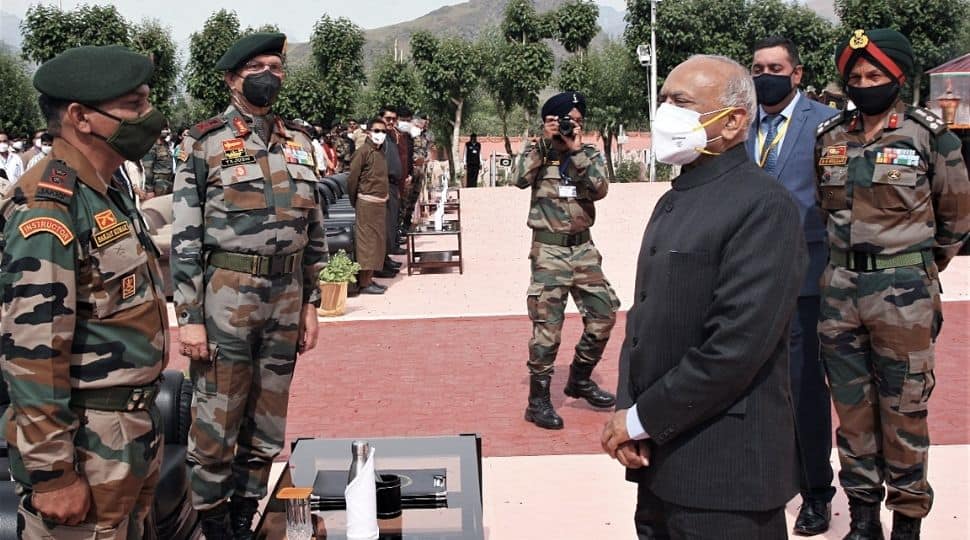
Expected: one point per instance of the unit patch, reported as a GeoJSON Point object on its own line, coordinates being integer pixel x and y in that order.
{"type": "Point", "coordinates": [105, 219]}
{"type": "Point", "coordinates": [112, 234]}
{"type": "Point", "coordinates": [128, 287]}
{"type": "Point", "coordinates": [47, 224]}
{"type": "Point", "coordinates": [834, 155]}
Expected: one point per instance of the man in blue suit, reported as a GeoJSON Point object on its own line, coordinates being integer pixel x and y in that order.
{"type": "Point", "coordinates": [782, 142]}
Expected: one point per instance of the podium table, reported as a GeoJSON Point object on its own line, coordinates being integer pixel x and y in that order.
{"type": "Point", "coordinates": [460, 456]}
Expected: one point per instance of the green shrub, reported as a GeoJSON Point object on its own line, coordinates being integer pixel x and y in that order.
{"type": "Point", "coordinates": [340, 269]}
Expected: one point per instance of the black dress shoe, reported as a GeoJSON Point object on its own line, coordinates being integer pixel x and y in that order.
{"type": "Point", "coordinates": [372, 289]}
{"type": "Point", "coordinates": [386, 274]}
{"type": "Point", "coordinates": [813, 518]}
{"type": "Point", "coordinates": [394, 265]}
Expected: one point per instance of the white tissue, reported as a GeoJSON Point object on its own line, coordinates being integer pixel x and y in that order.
{"type": "Point", "coordinates": [361, 496]}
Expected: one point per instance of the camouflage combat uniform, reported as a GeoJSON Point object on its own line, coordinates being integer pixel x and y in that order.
{"type": "Point", "coordinates": [421, 145]}
{"type": "Point", "coordinates": [245, 261]}
{"type": "Point", "coordinates": [564, 259]}
{"type": "Point", "coordinates": [341, 145]}
{"type": "Point", "coordinates": [898, 210]}
{"type": "Point", "coordinates": [158, 169]}
{"type": "Point", "coordinates": [84, 325]}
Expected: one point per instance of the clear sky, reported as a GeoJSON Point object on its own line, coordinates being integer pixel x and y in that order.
{"type": "Point", "coordinates": [294, 17]}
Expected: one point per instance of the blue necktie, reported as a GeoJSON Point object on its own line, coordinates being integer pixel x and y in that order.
{"type": "Point", "coordinates": [773, 121]}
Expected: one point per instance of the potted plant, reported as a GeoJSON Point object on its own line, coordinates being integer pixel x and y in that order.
{"type": "Point", "coordinates": [333, 284]}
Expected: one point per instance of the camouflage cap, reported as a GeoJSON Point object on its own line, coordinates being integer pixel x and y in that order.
{"type": "Point", "coordinates": [93, 74]}
{"type": "Point", "coordinates": [886, 48]}
{"type": "Point", "coordinates": [249, 46]}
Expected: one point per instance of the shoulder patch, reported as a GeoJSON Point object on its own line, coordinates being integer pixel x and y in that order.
{"type": "Point", "coordinates": [206, 126]}
{"type": "Point", "coordinates": [927, 119]}
{"type": "Point", "coordinates": [57, 183]}
{"type": "Point", "coordinates": [49, 225]}
{"type": "Point", "coordinates": [829, 124]}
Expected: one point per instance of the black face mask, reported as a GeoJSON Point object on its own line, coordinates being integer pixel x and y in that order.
{"type": "Point", "coordinates": [772, 89]}
{"type": "Point", "coordinates": [873, 99]}
{"type": "Point", "coordinates": [261, 88]}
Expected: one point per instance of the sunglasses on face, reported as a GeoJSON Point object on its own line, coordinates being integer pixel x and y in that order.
{"type": "Point", "coordinates": [378, 131]}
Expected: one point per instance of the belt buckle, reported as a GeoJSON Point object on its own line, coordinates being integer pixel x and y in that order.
{"type": "Point", "coordinates": [254, 267]}
{"type": "Point", "coordinates": [860, 261]}
{"type": "Point", "coordinates": [135, 400]}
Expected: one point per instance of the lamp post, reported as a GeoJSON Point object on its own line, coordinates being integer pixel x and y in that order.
{"type": "Point", "coordinates": [647, 54]}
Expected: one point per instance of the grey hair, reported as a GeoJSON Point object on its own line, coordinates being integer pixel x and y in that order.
{"type": "Point", "coordinates": [739, 91]}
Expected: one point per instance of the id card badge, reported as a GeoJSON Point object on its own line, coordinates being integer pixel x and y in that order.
{"type": "Point", "coordinates": [567, 191]}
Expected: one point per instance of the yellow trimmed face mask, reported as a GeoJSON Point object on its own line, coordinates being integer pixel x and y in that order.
{"type": "Point", "coordinates": [679, 136]}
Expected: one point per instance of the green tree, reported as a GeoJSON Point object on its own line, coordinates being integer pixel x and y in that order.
{"type": "Point", "coordinates": [392, 83]}
{"type": "Point", "coordinates": [203, 81]}
{"type": "Point", "coordinates": [608, 78]}
{"type": "Point", "coordinates": [576, 24]}
{"type": "Point", "coordinates": [152, 39]}
{"type": "Point", "coordinates": [450, 70]}
{"type": "Point", "coordinates": [813, 35]}
{"type": "Point", "coordinates": [302, 95]}
{"type": "Point", "coordinates": [49, 31]}
{"type": "Point", "coordinates": [18, 101]}
{"type": "Point", "coordinates": [338, 46]}
{"type": "Point", "coordinates": [521, 23]}
{"type": "Point", "coordinates": [934, 27]}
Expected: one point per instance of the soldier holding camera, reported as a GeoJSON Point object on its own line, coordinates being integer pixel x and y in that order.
{"type": "Point", "coordinates": [566, 177]}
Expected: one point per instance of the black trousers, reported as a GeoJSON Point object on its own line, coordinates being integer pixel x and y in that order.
{"type": "Point", "coordinates": [472, 175]}
{"type": "Point", "coordinates": [393, 213]}
{"type": "Point", "coordinates": [813, 406]}
{"type": "Point", "coordinates": [659, 520]}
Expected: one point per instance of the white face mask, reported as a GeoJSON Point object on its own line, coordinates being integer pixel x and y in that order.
{"type": "Point", "coordinates": [404, 127]}
{"type": "Point", "coordinates": [679, 136]}
{"type": "Point", "coordinates": [37, 143]}
{"type": "Point", "coordinates": [415, 131]}
{"type": "Point", "coordinates": [4, 147]}
{"type": "Point", "coordinates": [45, 148]}
{"type": "Point", "coordinates": [378, 138]}
{"type": "Point", "coordinates": [18, 146]}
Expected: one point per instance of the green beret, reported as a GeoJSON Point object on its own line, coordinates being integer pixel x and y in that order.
{"type": "Point", "coordinates": [885, 48]}
{"type": "Point", "coordinates": [561, 104]}
{"type": "Point", "coordinates": [93, 74]}
{"type": "Point", "coordinates": [252, 45]}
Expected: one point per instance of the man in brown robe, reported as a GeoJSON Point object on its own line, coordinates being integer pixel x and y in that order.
{"type": "Point", "coordinates": [368, 187]}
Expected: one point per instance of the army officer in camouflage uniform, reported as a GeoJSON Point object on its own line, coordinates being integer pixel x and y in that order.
{"type": "Point", "coordinates": [894, 187]}
{"type": "Point", "coordinates": [248, 242]}
{"type": "Point", "coordinates": [83, 317]}
{"type": "Point", "coordinates": [565, 177]}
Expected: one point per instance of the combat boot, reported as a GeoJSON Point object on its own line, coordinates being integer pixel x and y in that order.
{"type": "Point", "coordinates": [905, 527]}
{"type": "Point", "coordinates": [580, 385]}
{"type": "Point", "coordinates": [241, 512]}
{"type": "Point", "coordinates": [540, 411]}
{"type": "Point", "coordinates": [215, 523]}
{"type": "Point", "coordinates": [865, 523]}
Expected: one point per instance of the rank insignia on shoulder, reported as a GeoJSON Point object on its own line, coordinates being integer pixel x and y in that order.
{"type": "Point", "coordinates": [239, 127]}
{"type": "Point", "coordinates": [57, 183]}
{"type": "Point", "coordinates": [928, 120]}
{"type": "Point", "coordinates": [49, 225]}
{"type": "Point", "coordinates": [105, 219]}
{"type": "Point", "coordinates": [828, 124]}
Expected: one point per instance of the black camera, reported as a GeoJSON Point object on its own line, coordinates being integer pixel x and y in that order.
{"type": "Point", "coordinates": [566, 126]}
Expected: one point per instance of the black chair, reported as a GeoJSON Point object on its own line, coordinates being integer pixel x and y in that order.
{"type": "Point", "coordinates": [173, 515]}
{"type": "Point", "coordinates": [8, 499]}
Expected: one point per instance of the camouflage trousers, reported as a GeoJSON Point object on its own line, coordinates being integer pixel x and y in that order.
{"type": "Point", "coordinates": [118, 453]}
{"type": "Point", "coordinates": [558, 272]}
{"type": "Point", "coordinates": [241, 395]}
{"type": "Point", "coordinates": [410, 198]}
{"type": "Point", "coordinates": [877, 331]}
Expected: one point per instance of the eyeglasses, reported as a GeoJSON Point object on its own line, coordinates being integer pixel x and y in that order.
{"type": "Point", "coordinates": [378, 131]}
{"type": "Point", "coordinates": [255, 67]}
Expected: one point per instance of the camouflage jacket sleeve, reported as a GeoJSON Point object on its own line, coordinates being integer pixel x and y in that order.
{"type": "Point", "coordinates": [186, 260]}
{"type": "Point", "coordinates": [527, 165]}
{"type": "Point", "coordinates": [316, 253]}
{"type": "Point", "coordinates": [951, 199]}
{"type": "Point", "coordinates": [148, 164]}
{"type": "Point", "coordinates": [591, 169]}
{"type": "Point", "coordinates": [38, 322]}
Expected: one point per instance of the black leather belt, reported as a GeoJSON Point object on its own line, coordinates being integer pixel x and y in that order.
{"type": "Point", "coordinates": [560, 239]}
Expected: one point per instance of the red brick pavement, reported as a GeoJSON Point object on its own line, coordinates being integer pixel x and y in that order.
{"type": "Point", "coordinates": [464, 375]}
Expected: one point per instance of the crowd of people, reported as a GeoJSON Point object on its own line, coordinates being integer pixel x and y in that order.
{"type": "Point", "coordinates": [795, 248]}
